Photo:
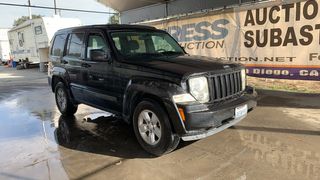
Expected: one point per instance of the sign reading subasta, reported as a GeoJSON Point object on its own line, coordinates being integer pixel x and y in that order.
{"type": "Point", "coordinates": [273, 41]}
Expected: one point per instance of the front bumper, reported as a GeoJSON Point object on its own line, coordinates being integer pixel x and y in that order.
{"type": "Point", "coordinates": [205, 120]}
{"type": "Point", "coordinates": [200, 135]}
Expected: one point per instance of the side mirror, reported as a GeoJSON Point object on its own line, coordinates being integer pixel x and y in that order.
{"type": "Point", "coordinates": [98, 55]}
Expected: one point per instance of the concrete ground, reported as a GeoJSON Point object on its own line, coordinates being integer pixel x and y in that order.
{"type": "Point", "coordinates": [278, 140]}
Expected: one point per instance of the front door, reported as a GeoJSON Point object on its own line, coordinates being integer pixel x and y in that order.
{"type": "Point", "coordinates": [100, 74]}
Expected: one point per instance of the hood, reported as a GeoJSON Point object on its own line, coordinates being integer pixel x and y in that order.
{"type": "Point", "coordinates": [186, 65]}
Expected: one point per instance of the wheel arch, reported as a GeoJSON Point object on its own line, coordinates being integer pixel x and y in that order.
{"type": "Point", "coordinates": [59, 75]}
{"type": "Point", "coordinates": [155, 90]}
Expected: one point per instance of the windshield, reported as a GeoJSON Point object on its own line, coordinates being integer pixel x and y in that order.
{"type": "Point", "coordinates": [154, 44]}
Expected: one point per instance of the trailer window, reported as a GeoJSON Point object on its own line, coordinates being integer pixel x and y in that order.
{"type": "Point", "coordinates": [75, 43]}
{"type": "Point", "coordinates": [38, 30]}
{"type": "Point", "coordinates": [58, 45]}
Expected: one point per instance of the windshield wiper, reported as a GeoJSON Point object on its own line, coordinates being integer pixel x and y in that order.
{"type": "Point", "coordinates": [144, 54]}
{"type": "Point", "coordinates": [171, 53]}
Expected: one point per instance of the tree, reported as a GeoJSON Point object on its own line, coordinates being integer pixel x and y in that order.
{"type": "Point", "coordinates": [22, 19]}
{"type": "Point", "coordinates": [114, 19]}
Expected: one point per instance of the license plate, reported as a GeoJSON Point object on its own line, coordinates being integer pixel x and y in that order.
{"type": "Point", "coordinates": [241, 111]}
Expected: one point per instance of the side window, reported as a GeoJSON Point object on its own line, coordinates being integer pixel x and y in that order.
{"type": "Point", "coordinates": [75, 42]}
{"type": "Point", "coordinates": [130, 44]}
{"type": "Point", "coordinates": [141, 44]}
{"type": "Point", "coordinates": [161, 44]}
{"type": "Point", "coordinates": [96, 42]}
{"type": "Point", "coordinates": [116, 41]}
{"type": "Point", "coordinates": [58, 45]}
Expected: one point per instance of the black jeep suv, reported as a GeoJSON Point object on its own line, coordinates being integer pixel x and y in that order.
{"type": "Point", "coordinates": [142, 75]}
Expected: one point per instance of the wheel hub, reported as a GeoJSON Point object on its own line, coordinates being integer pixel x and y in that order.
{"type": "Point", "coordinates": [149, 127]}
{"type": "Point", "coordinates": [61, 99]}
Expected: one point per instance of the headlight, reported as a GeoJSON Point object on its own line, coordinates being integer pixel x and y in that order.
{"type": "Point", "coordinates": [199, 88]}
{"type": "Point", "coordinates": [183, 98]}
{"type": "Point", "coordinates": [243, 79]}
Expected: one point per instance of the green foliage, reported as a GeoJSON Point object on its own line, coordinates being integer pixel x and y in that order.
{"type": "Point", "coordinates": [114, 19]}
{"type": "Point", "coordinates": [22, 19]}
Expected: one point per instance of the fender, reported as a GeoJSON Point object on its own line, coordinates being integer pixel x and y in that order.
{"type": "Point", "coordinates": [158, 89]}
{"type": "Point", "coordinates": [62, 74]}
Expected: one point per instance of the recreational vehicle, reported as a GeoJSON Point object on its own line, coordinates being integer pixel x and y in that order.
{"type": "Point", "coordinates": [29, 41]}
{"type": "Point", "coordinates": [4, 46]}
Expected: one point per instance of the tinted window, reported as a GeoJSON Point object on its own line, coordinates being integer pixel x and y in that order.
{"type": "Point", "coordinates": [116, 41]}
{"type": "Point", "coordinates": [75, 44]}
{"type": "Point", "coordinates": [58, 45]}
{"type": "Point", "coordinates": [161, 44]}
{"type": "Point", "coordinates": [96, 41]}
{"type": "Point", "coordinates": [152, 43]}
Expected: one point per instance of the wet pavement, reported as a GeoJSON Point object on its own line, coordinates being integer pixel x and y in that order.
{"type": "Point", "coordinates": [278, 140]}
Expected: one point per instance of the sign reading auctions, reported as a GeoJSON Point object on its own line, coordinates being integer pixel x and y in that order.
{"type": "Point", "coordinates": [278, 41]}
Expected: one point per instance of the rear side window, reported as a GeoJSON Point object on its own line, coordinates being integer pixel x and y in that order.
{"type": "Point", "coordinates": [58, 45]}
{"type": "Point", "coordinates": [75, 43]}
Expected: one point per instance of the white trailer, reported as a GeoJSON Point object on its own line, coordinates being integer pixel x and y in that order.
{"type": "Point", "coordinates": [4, 45]}
{"type": "Point", "coordinates": [29, 42]}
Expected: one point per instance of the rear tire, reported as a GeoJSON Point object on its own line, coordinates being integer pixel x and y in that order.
{"type": "Point", "coordinates": [63, 100]}
{"type": "Point", "coordinates": [153, 129]}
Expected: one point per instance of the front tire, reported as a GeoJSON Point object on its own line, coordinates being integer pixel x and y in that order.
{"type": "Point", "coordinates": [152, 128]}
{"type": "Point", "coordinates": [63, 100]}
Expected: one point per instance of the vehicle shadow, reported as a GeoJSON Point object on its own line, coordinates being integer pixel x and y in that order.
{"type": "Point", "coordinates": [272, 98]}
{"type": "Point", "coordinates": [103, 135]}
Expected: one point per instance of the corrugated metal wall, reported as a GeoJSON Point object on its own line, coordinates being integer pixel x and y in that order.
{"type": "Point", "coordinates": [176, 7]}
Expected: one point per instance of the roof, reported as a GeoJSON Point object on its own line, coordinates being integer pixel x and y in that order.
{"type": "Point", "coordinates": [110, 27]}
{"type": "Point", "coordinates": [22, 25]}
{"type": "Point", "coordinates": [43, 19]}
{"type": "Point", "coordinates": [124, 5]}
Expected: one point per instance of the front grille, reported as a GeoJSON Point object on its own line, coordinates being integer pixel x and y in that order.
{"type": "Point", "coordinates": [224, 86]}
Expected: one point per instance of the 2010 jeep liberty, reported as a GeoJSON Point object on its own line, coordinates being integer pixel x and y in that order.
{"type": "Point", "coordinates": [142, 75]}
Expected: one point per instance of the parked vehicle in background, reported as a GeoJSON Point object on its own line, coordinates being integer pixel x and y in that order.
{"type": "Point", "coordinates": [4, 45]}
{"type": "Point", "coordinates": [29, 41]}
{"type": "Point", "coordinates": [142, 75]}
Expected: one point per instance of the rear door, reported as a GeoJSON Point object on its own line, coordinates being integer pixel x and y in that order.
{"type": "Point", "coordinates": [72, 62]}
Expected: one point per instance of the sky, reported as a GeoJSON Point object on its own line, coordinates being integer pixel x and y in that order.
{"type": "Point", "coordinates": [8, 14]}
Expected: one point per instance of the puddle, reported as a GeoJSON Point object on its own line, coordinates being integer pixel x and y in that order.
{"type": "Point", "coordinates": [8, 76]}
{"type": "Point", "coordinates": [281, 155]}
{"type": "Point", "coordinates": [35, 138]}
{"type": "Point", "coordinates": [27, 134]}
{"type": "Point", "coordinates": [38, 143]}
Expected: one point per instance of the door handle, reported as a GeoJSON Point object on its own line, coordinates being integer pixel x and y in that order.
{"type": "Point", "coordinates": [64, 61]}
{"type": "Point", "coordinates": [86, 65]}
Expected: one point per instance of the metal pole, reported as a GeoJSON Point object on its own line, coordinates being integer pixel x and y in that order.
{"type": "Point", "coordinates": [167, 11]}
{"type": "Point", "coordinates": [29, 8]}
{"type": "Point", "coordinates": [55, 7]}
{"type": "Point", "coordinates": [61, 9]}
